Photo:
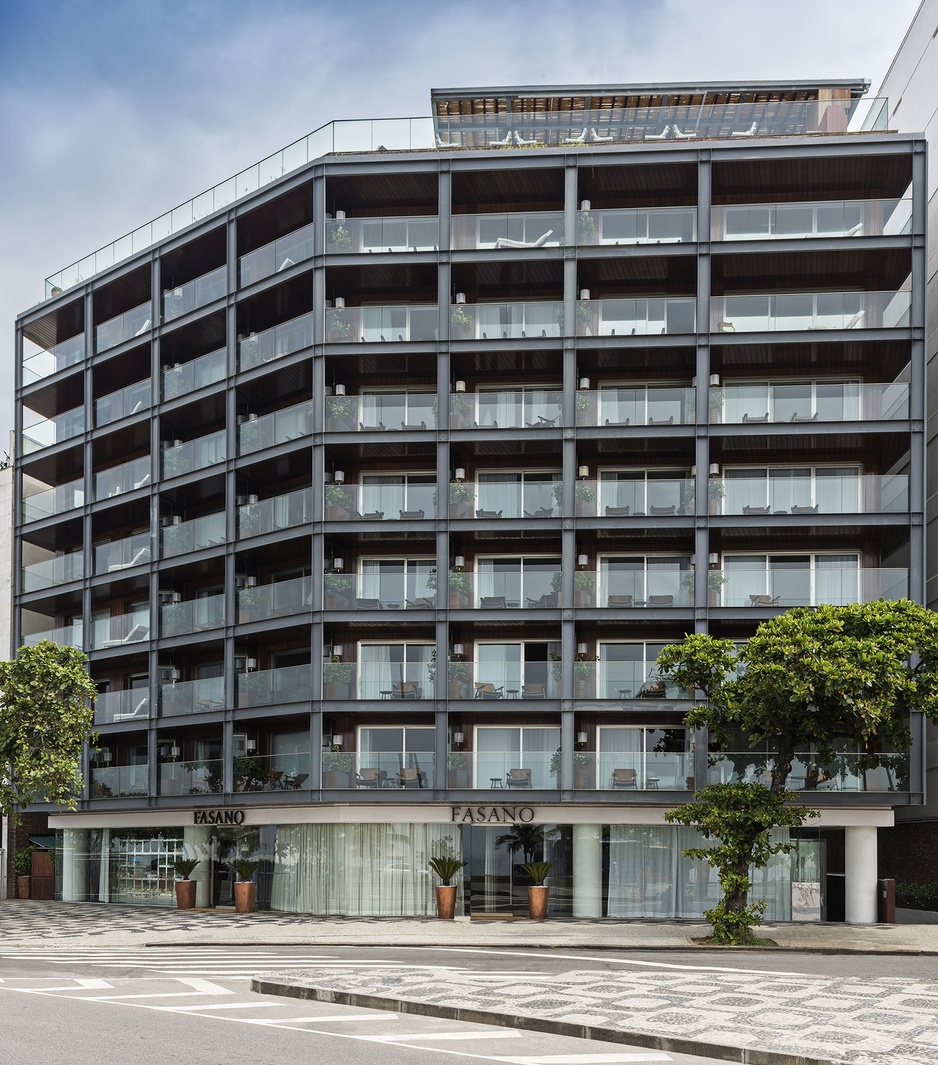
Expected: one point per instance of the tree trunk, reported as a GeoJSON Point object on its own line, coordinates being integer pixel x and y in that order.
{"type": "Point", "coordinates": [736, 902]}
{"type": "Point", "coordinates": [782, 768]}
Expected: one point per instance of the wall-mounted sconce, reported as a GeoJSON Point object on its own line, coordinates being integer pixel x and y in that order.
{"type": "Point", "coordinates": [251, 746]}
{"type": "Point", "coordinates": [339, 390]}
{"type": "Point", "coordinates": [337, 650]}
{"type": "Point", "coordinates": [714, 380]}
{"type": "Point", "coordinates": [581, 737]}
{"type": "Point", "coordinates": [582, 561]}
{"type": "Point", "coordinates": [460, 386]}
{"type": "Point", "coordinates": [581, 648]}
{"type": "Point", "coordinates": [336, 740]}
{"type": "Point", "coordinates": [583, 472]}
{"type": "Point", "coordinates": [713, 559]}
{"type": "Point", "coordinates": [340, 216]}
{"type": "Point", "coordinates": [584, 293]}
{"type": "Point", "coordinates": [460, 297]}
{"type": "Point", "coordinates": [104, 755]}
{"type": "Point", "coordinates": [337, 564]}
{"type": "Point", "coordinates": [584, 205]}
{"type": "Point", "coordinates": [250, 664]}
{"type": "Point", "coordinates": [458, 650]}
{"type": "Point", "coordinates": [339, 302]}
{"type": "Point", "coordinates": [459, 562]}
{"type": "Point", "coordinates": [714, 469]}
{"type": "Point", "coordinates": [174, 751]}
{"type": "Point", "coordinates": [457, 739]}
{"type": "Point", "coordinates": [338, 477]}
{"type": "Point", "coordinates": [459, 474]}
{"type": "Point", "coordinates": [584, 385]}
{"type": "Point", "coordinates": [174, 675]}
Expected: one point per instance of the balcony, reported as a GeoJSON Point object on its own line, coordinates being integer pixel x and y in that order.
{"type": "Point", "coordinates": [60, 569]}
{"type": "Point", "coordinates": [834, 579]}
{"type": "Point", "coordinates": [641, 316]}
{"type": "Point", "coordinates": [280, 254]}
{"type": "Point", "coordinates": [192, 615]}
{"type": "Point", "coordinates": [506, 321]}
{"type": "Point", "coordinates": [409, 323]}
{"type": "Point", "coordinates": [291, 423]}
{"type": "Point", "coordinates": [122, 403]}
{"type": "Point", "coordinates": [64, 636]}
{"type": "Point", "coordinates": [271, 772]}
{"type": "Point", "coordinates": [507, 584]}
{"type": "Point", "coordinates": [760, 493]}
{"type": "Point", "coordinates": [385, 585]}
{"type": "Point", "coordinates": [192, 696]}
{"type": "Point", "coordinates": [199, 777]}
{"type": "Point", "coordinates": [51, 501]}
{"type": "Point", "coordinates": [403, 498]}
{"type": "Point", "coordinates": [386, 671]}
{"type": "Point", "coordinates": [506, 671]}
{"type": "Point", "coordinates": [526, 496]}
{"type": "Point", "coordinates": [538, 229]}
{"type": "Point", "coordinates": [652, 582]}
{"type": "Point", "coordinates": [271, 515]}
{"type": "Point", "coordinates": [619, 772]}
{"type": "Point", "coordinates": [131, 704]}
{"type": "Point", "coordinates": [194, 535]}
{"type": "Point", "coordinates": [120, 630]}
{"type": "Point", "coordinates": [132, 323]}
{"type": "Point", "coordinates": [638, 405]}
{"type": "Point", "coordinates": [651, 225]}
{"type": "Point", "coordinates": [118, 781]}
{"type": "Point", "coordinates": [522, 409]}
{"type": "Point", "coordinates": [182, 378]}
{"type": "Point", "coordinates": [179, 458]}
{"type": "Point", "coordinates": [622, 673]}
{"type": "Point", "coordinates": [269, 687]}
{"type": "Point", "coordinates": [45, 432]}
{"type": "Point", "coordinates": [364, 235]}
{"type": "Point", "coordinates": [377, 411]}
{"type": "Point", "coordinates": [278, 600]}
{"type": "Point", "coordinates": [122, 554]}
{"type": "Point", "coordinates": [120, 479]}
{"type": "Point", "coordinates": [849, 772]}
{"type": "Point", "coordinates": [768, 312]}
{"type": "Point", "coordinates": [637, 493]}
{"type": "Point", "coordinates": [276, 342]}
{"type": "Point", "coordinates": [821, 218]}
{"type": "Point", "coordinates": [811, 401]}
{"type": "Point", "coordinates": [379, 770]}
{"type": "Point", "coordinates": [47, 361]}
{"type": "Point", "coordinates": [194, 294]}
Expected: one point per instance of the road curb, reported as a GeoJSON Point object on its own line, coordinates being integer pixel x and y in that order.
{"type": "Point", "coordinates": [724, 1052]}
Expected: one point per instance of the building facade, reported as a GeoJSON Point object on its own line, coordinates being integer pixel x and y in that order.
{"type": "Point", "coordinates": [374, 481]}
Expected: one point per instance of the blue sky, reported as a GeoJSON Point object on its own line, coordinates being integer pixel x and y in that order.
{"type": "Point", "coordinates": [112, 113]}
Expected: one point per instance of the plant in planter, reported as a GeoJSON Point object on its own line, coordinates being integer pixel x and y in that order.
{"type": "Point", "coordinates": [460, 410]}
{"type": "Point", "coordinates": [584, 318]}
{"type": "Point", "coordinates": [461, 495]}
{"type": "Point", "coordinates": [249, 773]}
{"type": "Point", "coordinates": [585, 228]}
{"type": "Point", "coordinates": [338, 503]}
{"type": "Point", "coordinates": [585, 407]}
{"type": "Point", "coordinates": [460, 322]}
{"type": "Point", "coordinates": [172, 618]}
{"type": "Point", "coordinates": [584, 496]}
{"type": "Point", "coordinates": [538, 892]}
{"type": "Point", "coordinates": [582, 762]}
{"type": "Point", "coordinates": [584, 674]}
{"type": "Point", "coordinates": [245, 890]}
{"type": "Point", "coordinates": [584, 584]}
{"type": "Point", "coordinates": [341, 412]}
{"type": "Point", "coordinates": [446, 868]}
{"type": "Point", "coordinates": [175, 461]}
{"type": "Point", "coordinates": [175, 539]}
{"type": "Point", "coordinates": [716, 490]}
{"type": "Point", "coordinates": [716, 405]}
{"type": "Point", "coordinates": [336, 768]}
{"type": "Point", "coordinates": [457, 766]}
{"type": "Point", "coordinates": [340, 239]}
{"type": "Point", "coordinates": [458, 676]}
{"type": "Point", "coordinates": [337, 328]}
{"type": "Point", "coordinates": [460, 588]}
{"type": "Point", "coordinates": [23, 867]}
{"type": "Point", "coordinates": [185, 887]}
{"type": "Point", "coordinates": [338, 590]}
{"type": "Point", "coordinates": [337, 678]}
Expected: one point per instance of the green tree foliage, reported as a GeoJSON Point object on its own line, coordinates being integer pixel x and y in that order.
{"type": "Point", "coordinates": [739, 817]}
{"type": "Point", "coordinates": [815, 675]}
{"type": "Point", "coordinates": [46, 711]}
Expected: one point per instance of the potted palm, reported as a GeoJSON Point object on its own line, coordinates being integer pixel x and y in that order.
{"type": "Point", "coordinates": [446, 868]}
{"type": "Point", "coordinates": [185, 887]}
{"type": "Point", "coordinates": [538, 891]}
{"type": "Point", "coordinates": [23, 867]}
{"type": "Point", "coordinates": [245, 890]}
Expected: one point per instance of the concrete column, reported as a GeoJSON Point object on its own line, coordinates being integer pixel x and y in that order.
{"type": "Point", "coordinates": [74, 854]}
{"type": "Point", "coordinates": [196, 842]}
{"type": "Point", "coordinates": [860, 870]}
{"type": "Point", "coordinates": [587, 871]}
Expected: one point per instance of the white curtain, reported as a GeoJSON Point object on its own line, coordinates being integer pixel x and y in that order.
{"type": "Point", "coordinates": [377, 672]}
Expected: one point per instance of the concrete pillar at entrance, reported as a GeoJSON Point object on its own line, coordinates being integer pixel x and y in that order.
{"type": "Point", "coordinates": [75, 865]}
{"type": "Point", "coordinates": [860, 878]}
{"type": "Point", "coordinates": [196, 840]}
{"type": "Point", "coordinates": [587, 871]}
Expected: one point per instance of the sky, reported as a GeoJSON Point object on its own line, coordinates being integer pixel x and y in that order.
{"type": "Point", "coordinates": [113, 112]}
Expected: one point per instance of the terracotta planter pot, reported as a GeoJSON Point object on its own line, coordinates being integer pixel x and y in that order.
{"type": "Point", "coordinates": [22, 887]}
{"type": "Point", "coordinates": [446, 902]}
{"type": "Point", "coordinates": [185, 894]}
{"type": "Point", "coordinates": [245, 896]}
{"type": "Point", "coordinates": [537, 902]}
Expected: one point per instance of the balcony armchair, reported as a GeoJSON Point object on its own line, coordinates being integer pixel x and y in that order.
{"type": "Point", "coordinates": [620, 601]}
{"type": "Point", "coordinates": [549, 599]}
{"type": "Point", "coordinates": [406, 689]}
{"type": "Point", "coordinates": [805, 510]}
{"type": "Point", "coordinates": [296, 781]}
{"type": "Point", "coordinates": [624, 778]}
{"type": "Point", "coordinates": [663, 135]}
{"type": "Point", "coordinates": [411, 778]}
{"type": "Point", "coordinates": [371, 778]}
{"type": "Point", "coordinates": [661, 600]}
{"type": "Point", "coordinates": [618, 512]}
{"type": "Point", "coordinates": [414, 425]}
{"type": "Point", "coordinates": [493, 602]}
{"type": "Point", "coordinates": [756, 417]}
{"type": "Point", "coordinates": [368, 604]}
{"type": "Point", "coordinates": [518, 778]}
{"type": "Point", "coordinates": [488, 513]}
{"type": "Point", "coordinates": [488, 691]}
{"type": "Point", "coordinates": [136, 634]}
{"type": "Point", "coordinates": [371, 428]}
{"type": "Point", "coordinates": [618, 425]}
{"type": "Point", "coordinates": [661, 511]}
{"type": "Point", "coordinates": [756, 510]}
{"type": "Point", "coordinates": [751, 132]}
{"type": "Point", "coordinates": [410, 515]}
{"type": "Point", "coordinates": [143, 555]}
{"type": "Point", "coordinates": [533, 691]}
{"type": "Point", "coordinates": [541, 512]}
{"type": "Point", "coordinates": [652, 689]}
{"type": "Point", "coordinates": [804, 417]}
{"type": "Point", "coordinates": [421, 603]}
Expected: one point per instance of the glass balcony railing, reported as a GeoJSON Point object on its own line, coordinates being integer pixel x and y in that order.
{"type": "Point", "coordinates": [132, 704]}
{"type": "Point", "coordinates": [818, 401]}
{"type": "Point", "coordinates": [291, 423]}
{"type": "Point", "coordinates": [624, 316]}
{"type": "Point", "coordinates": [784, 585]}
{"type": "Point", "coordinates": [269, 687]}
{"type": "Point", "coordinates": [118, 781]}
{"type": "Point", "coordinates": [271, 772]}
{"type": "Point", "coordinates": [279, 512]}
{"type": "Point", "coordinates": [821, 218]}
{"type": "Point", "coordinates": [182, 378]}
{"type": "Point", "coordinates": [357, 235]}
{"type": "Point", "coordinates": [193, 535]}
{"type": "Point", "coordinates": [120, 629]}
{"type": "Point", "coordinates": [192, 615]}
{"type": "Point", "coordinates": [132, 323]}
{"type": "Point", "coordinates": [506, 587]}
{"type": "Point", "coordinates": [203, 776]}
{"type": "Point", "coordinates": [627, 586]}
{"type": "Point", "coordinates": [848, 772]}
{"type": "Point", "coordinates": [381, 502]}
{"type": "Point", "coordinates": [506, 321]}
{"type": "Point", "coordinates": [280, 254]}
{"type": "Point", "coordinates": [47, 361]}
{"type": "Point", "coordinates": [275, 600]}
{"type": "Point", "coordinates": [629, 225]}
{"type": "Point", "coordinates": [833, 493]}
{"type": "Point", "coordinates": [389, 591]}
{"type": "Point", "coordinates": [528, 409]}
{"type": "Point", "coordinates": [64, 636]}
{"type": "Point", "coordinates": [60, 569]}
{"type": "Point", "coordinates": [642, 405]}
{"type": "Point", "coordinates": [44, 432]}
{"type": "Point", "coordinates": [403, 681]}
{"type": "Point", "coordinates": [124, 478]}
{"type": "Point", "coordinates": [625, 495]}
{"type": "Point", "coordinates": [506, 499]}
{"type": "Point", "coordinates": [378, 770]}
{"type": "Point", "coordinates": [123, 402]}
{"type": "Point", "coordinates": [375, 324]}
{"type": "Point", "coordinates": [274, 343]}
{"type": "Point", "coordinates": [500, 673]}
{"type": "Point", "coordinates": [508, 770]}
{"type": "Point", "coordinates": [381, 410]}
{"type": "Point", "coordinates": [51, 501]}
{"type": "Point", "coordinates": [194, 294]}
{"type": "Point", "coordinates": [193, 454]}
{"type": "Point", "coordinates": [622, 680]}
{"type": "Point", "coordinates": [537, 229]}
{"type": "Point", "coordinates": [192, 696]}
{"type": "Point", "coordinates": [768, 312]}
{"type": "Point", "coordinates": [633, 771]}
{"type": "Point", "coordinates": [122, 554]}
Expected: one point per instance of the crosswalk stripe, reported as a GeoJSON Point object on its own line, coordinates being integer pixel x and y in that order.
{"type": "Point", "coordinates": [220, 1006]}
{"type": "Point", "coordinates": [589, 1059]}
{"type": "Point", "coordinates": [509, 1033]}
{"type": "Point", "coordinates": [346, 1019]}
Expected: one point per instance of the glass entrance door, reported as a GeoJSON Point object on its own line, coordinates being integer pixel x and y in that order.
{"type": "Point", "coordinates": [495, 854]}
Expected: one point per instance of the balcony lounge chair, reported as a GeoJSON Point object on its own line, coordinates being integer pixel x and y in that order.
{"type": "Point", "coordinates": [136, 634]}
{"type": "Point", "coordinates": [661, 511]}
{"type": "Point", "coordinates": [541, 512]}
{"type": "Point", "coordinates": [296, 782]}
{"type": "Point", "coordinates": [751, 132]}
{"type": "Point", "coordinates": [598, 138]}
{"type": "Point", "coordinates": [502, 143]}
{"type": "Point", "coordinates": [406, 689]}
{"type": "Point", "coordinates": [370, 778]}
{"type": "Point", "coordinates": [494, 602]}
{"type": "Point", "coordinates": [518, 778]}
{"type": "Point", "coordinates": [764, 600]}
{"type": "Point", "coordinates": [580, 138]}
{"type": "Point", "coordinates": [756, 417]}
{"type": "Point", "coordinates": [367, 604]}
{"type": "Point", "coordinates": [681, 135]}
{"type": "Point", "coordinates": [488, 691]}
{"type": "Point", "coordinates": [652, 689]}
{"type": "Point", "coordinates": [411, 778]}
{"type": "Point", "coordinates": [410, 515]}
{"type": "Point", "coordinates": [805, 510]}
{"type": "Point", "coordinates": [618, 512]}
{"type": "Point", "coordinates": [143, 555]}
{"type": "Point", "coordinates": [533, 691]}
{"type": "Point", "coordinates": [756, 510]}
{"type": "Point", "coordinates": [488, 513]}
{"type": "Point", "coordinates": [624, 778]}
{"type": "Point", "coordinates": [505, 242]}
{"type": "Point", "coordinates": [663, 135]}
{"type": "Point", "coordinates": [804, 417]}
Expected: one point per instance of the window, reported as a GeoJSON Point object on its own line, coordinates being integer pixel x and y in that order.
{"type": "Point", "coordinates": [518, 581]}
{"type": "Point", "coordinates": [500, 749]}
{"type": "Point", "coordinates": [391, 748]}
{"type": "Point", "coordinates": [517, 669]}
{"type": "Point", "coordinates": [628, 671]}
{"type": "Point", "coordinates": [396, 581]}
{"type": "Point", "coordinates": [642, 576]}
{"type": "Point", "coordinates": [644, 405]}
{"type": "Point", "coordinates": [659, 758]}
{"type": "Point", "coordinates": [394, 410]}
{"type": "Point", "coordinates": [533, 406]}
{"type": "Point", "coordinates": [396, 670]}
{"type": "Point", "coordinates": [832, 489]}
{"type": "Point", "coordinates": [791, 580]}
{"type": "Point", "coordinates": [395, 493]}
{"type": "Point", "coordinates": [792, 401]}
{"type": "Point", "coordinates": [645, 491]}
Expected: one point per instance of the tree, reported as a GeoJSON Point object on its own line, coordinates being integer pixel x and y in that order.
{"type": "Point", "coordinates": [740, 817]}
{"type": "Point", "coordinates": [524, 838]}
{"type": "Point", "coordinates": [815, 675]}
{"type": "Point", "coordinates": [46, 711]}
